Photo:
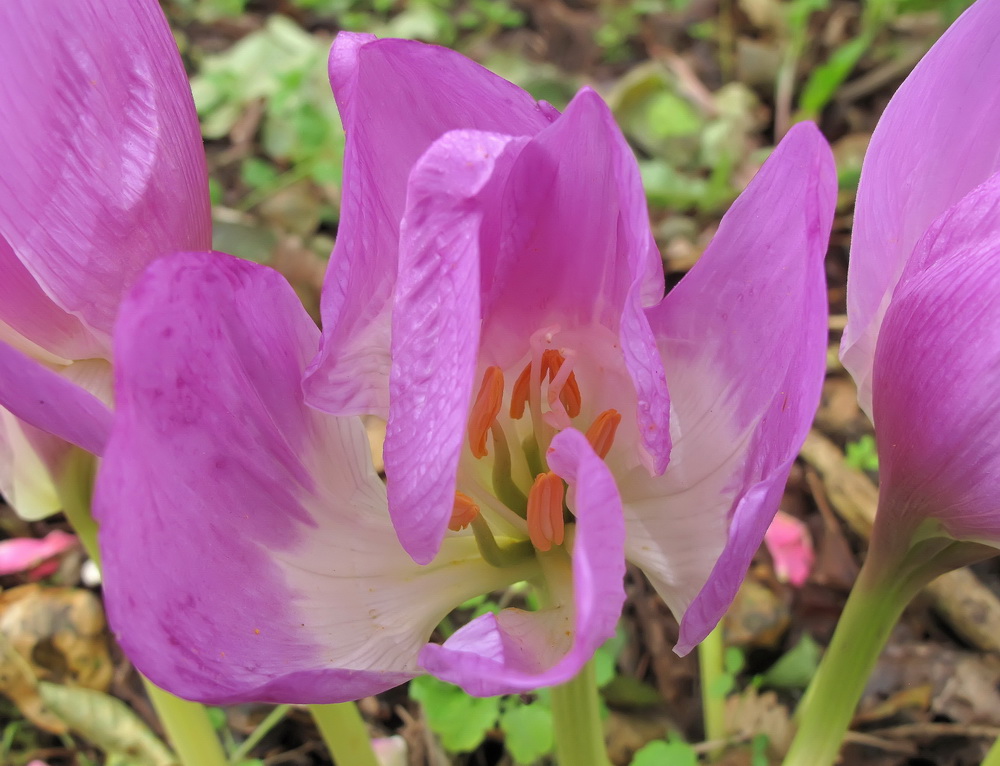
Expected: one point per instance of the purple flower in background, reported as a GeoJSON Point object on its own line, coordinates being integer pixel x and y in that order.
{"type": "Point", "coordinates": [923, 333]}
{"type": "Point", "coordinates": [101, 171]}
{"type": "Point", "coordinates": [496, 293]}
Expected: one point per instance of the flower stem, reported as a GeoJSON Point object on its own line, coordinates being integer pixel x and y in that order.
{"type": "Point", "coordinates": [825, 713]}
{"type": "Point", "coordinates": [993, 756]}
{"type": "Point", "coordinates": [189, 730]}
{"type": "Point", "coordinates": [344, 733]}
{"type": "Point", "coordinates": [711, 661]}
{"type": "Point", "coordinates": [270, 721]}
{"type": "Point", "coordinates": [579, 732]}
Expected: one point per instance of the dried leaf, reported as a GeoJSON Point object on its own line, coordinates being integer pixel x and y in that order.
{"type": "Point", "coordinates": [108, 723]}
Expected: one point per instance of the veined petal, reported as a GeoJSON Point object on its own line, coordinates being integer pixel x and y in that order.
{"type": "Point", "coordinates": [575, 250]}
{"type": "Point", "coordinates": [396, 98]}
{"type": "Point", "coordinates": [286, 582]}
{"type": "Point", "coordinates": [936, 374]}
{"type": "Point", "coordinates": [101, 150]}
{"type": "Point", "coordinates": [43, 398]}
{"type": "Point", "coordinates": [517, 651]}
{"type": "Point", "coordinates": [435, 329]}
{"type": "Point", "coordinates": [743, 338]}
{"type": "Point", "coordinates": [31, 322]}
{"type": "Point", "coordinates": [936, 141]}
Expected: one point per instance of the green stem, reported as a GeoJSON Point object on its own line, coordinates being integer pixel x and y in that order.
{"type": "Point", "coordinates": [577, 721]}
{"type": "Point", "coordinates": [270, 721]}
{"type": "Point", "coordinates": [711, 661]}
{"type": "Point", "coordinates": [993, 756]}
{"type": "Point", "coordinates": [188, 727]}
{"type": "Point", "coordinates": [825, 713]}
{"type": "Point", "coordinates": [344, 733]}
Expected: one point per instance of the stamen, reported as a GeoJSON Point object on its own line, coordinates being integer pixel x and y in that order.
{"type": "Point", "coordinates": [463, 513]}
{"type": "Point", "coordinates": [563, 387]}
{"type": "Point", "coordinates": [503, 479]}
{"type": "Point", "coordinates": [545, 511]}
{"type": "Point", "coordinates": [601, 433]}
{"type": "Point", "coordinates": [519, 395]}
{"type": "Point", "coordinates": [485, 410]}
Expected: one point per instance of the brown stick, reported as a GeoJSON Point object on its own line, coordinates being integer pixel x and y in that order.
{"type": "Point", "coordinates": [967, 605]}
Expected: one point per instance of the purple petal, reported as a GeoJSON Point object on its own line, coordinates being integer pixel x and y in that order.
{"type": "Point", "coordinates": [248, 554]}
{"type": "Point", "coordinates": [435, 329]}
{"type": "Point", "coordinates": [575, 250]}
{"type": "Point", "coordinates": [396, 97]}
{"type": "Point", "coordinates": [30, 321]}
{"type": "Point", "coordinates": [936, 376]}
{"type": "Point", "coordinates": [936, 141]}
{"type": "Point", "coordinates": [743, 338]}
{"type": "Point", "coordinates": [517, 651]}
{"type": "Point", "coordinates": [103, 163]}
{"type": "Point", "coordinates": [51, 403]}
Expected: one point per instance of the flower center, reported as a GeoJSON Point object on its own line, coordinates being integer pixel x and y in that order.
{"type": "Point", "coordinates": [547, 391]}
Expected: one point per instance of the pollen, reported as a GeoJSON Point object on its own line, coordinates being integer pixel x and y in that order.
{"type": "Point", "coordinates": [545, 511]}
{"type": "Point", "coordinates": [485, 409]}
{"type": "Point", "coordinates": [601, 433]}
{"type": "Point", "coordinates": [463, 512]}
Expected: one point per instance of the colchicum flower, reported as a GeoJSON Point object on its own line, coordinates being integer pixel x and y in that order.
{"type": "Point", "coordinates": [496, 293]}
{"type": "Point", "coordinates": [923, 333]}
{"type": "Point", "coordinates": [101, 171]}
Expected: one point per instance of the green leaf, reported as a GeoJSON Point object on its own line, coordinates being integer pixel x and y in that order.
{"type": "Point", "coordinates": [660, 753]}
{"type": "Point", "coordinates": [460, 721]}
{"type": "Point", "coordinates": [796, 667]}
{"type": "Point", "coordinates": [826, 78]}
{"type": "Point", "coordinates": [107, 722]}
{"type": "Point", "coordinates": [528, 732]}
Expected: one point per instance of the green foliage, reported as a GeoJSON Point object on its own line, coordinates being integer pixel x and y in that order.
{"type": "Point", "coordinates": [796, 667]}
{"type": "Point", "coordinates": [824, 80]}
{"type": "Point", "coordinates": [674, 752]}
{"type": "Point", "coordinates": [462, 722]}
{"type": "Point", "coordinates": [862, 454]}
{"type": "Point", "coordinates": [283, 68]}
{"type": "Point", "coordinates": [733, 663]}
{"type": "Point", "coordinates": [528, 731]}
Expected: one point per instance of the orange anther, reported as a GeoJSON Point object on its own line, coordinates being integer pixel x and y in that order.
{"type": "Point", "coordinates": [519, 395]}
{"type": "Point", "coordinates": [545, 511]}
{"type": "Point", "coordinates": [464, 511]}
{"type": "Point", "coordinates": [601, 433]}
{"type": "Point", "coordinates": [485, 410]}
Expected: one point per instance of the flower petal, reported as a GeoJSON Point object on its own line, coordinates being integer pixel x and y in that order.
{"type": "Point", "coordinates": [936, 141]}
{"type": "Point", "coordinates": [396, 97]}
{"type": "Point", "coordinates": [101, 150]}
{"type": "Point", "coordinates": [435, 329]}
{"type": "Point", "coordinates": [743, 338]}
{"type": "Point", "coordinates": [938, 357]}
{"type": "Point", "coordinates": [29, 458]}
{"type": "Point", "coordinates": [48, 401]}
{"type": "Point", "coordinates": [248, 554]}
{"type": "Point", "coordinates": [575, 250]}
{"type": "Point", "coordinates": [32, 323]}
{"type": "Point", "coordinates": [517, 651]}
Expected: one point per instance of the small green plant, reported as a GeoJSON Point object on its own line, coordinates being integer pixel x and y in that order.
{"type": "Point", "coordinates": [862, 454]}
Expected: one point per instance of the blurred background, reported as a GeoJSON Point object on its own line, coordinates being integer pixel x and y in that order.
{"type": "Point", "coordinates": [703, 89]}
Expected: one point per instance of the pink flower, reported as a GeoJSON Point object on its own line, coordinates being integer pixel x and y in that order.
{"type": "Point", "coordinates": [791, 549]}
{"type": "Point", "coordinates": [103, 171]}
{"type": "Point", "coordinates": [495, 292]}
{"type": "Point", "coordinates": [19, 554]}
{"type": "Point", "coordinates": [923, 336]}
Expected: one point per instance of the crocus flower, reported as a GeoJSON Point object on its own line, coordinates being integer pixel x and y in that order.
{"type": "Point", "coordinates": [923, 333]}
{"type": "Point", "coordinates": [102, 171]}
{"type": "Point", "coordinates": [495, 291]}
